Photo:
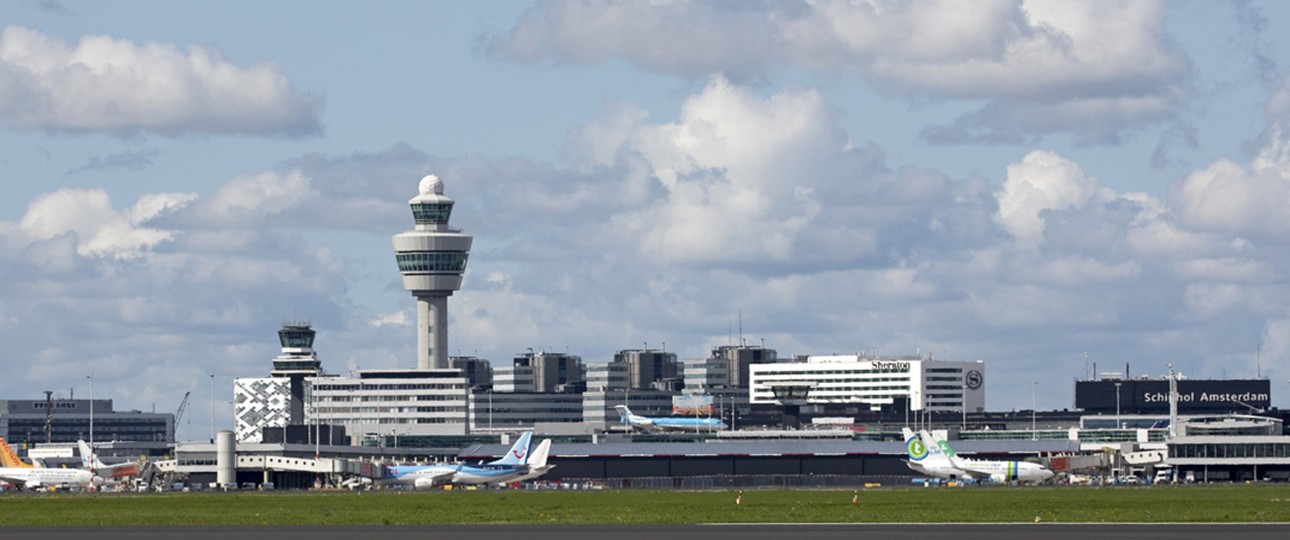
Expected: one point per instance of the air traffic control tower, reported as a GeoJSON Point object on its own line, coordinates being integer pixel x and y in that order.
{"type": "Point", "coordinates": [432, 259]}
{"type": "Point", "coordinates": [296, 362]}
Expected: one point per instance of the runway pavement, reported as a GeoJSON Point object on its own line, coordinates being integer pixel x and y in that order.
{"type": "Point", "coordinates": [903, 531]}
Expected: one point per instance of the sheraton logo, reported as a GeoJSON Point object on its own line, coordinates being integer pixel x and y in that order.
{"type": "Point", "coordinates": [879, 365]}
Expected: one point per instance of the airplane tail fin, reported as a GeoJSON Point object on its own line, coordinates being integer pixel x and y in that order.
{"type": "Point", "coordinates": [519, 453]}
{"type": "Point", "coordinates": [939, 448]}
{"type": "Point", "coordinates": [10, 458]}
{"type": "Point", "coordinates": [915, 449]}
{"type": "Point", "coordinates": [538, 459]}
{"type": "Point", "coordinates": [626, 415]}
{"type": "Point", "coordinates": [87, 455]}
{"type": "Point", "coordinates": [942, 445]}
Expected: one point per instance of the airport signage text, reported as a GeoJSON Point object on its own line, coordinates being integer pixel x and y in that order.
{"type": "Point", "coordinates": [1247, 397]}
{"type": "Point", "coordinates": [56, 405]}
{"type": "Point", "coordinates": [892, 366]}
{"type": "Point", "coordinates": [1151, 396]}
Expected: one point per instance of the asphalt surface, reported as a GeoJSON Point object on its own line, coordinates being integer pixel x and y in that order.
{"type": "Point", "coordinates": [1046, 531]}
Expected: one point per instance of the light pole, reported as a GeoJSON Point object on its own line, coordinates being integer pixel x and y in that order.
{"type": "Point", "coordinates": [1034, 435]}
{"type": "Point", "coordinates": [91, 378]}
{"type": "Point", "coordinates": [964, 403]}
{"type": "Point", "coordinates": [1117, 405]}
{"type": "Point", "coordinates": [212, 407]}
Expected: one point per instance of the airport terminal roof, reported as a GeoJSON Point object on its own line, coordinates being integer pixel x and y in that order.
{"type": "Point", "coordinates": [769, 448]}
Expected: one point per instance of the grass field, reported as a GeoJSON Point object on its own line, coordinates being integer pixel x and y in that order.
{"type": "Point", "coordinates": [1236, 503]}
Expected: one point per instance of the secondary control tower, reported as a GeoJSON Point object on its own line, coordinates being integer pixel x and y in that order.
{"type": "Point", "coordinates": [296, 362]}
{"type": "Point", "coordinates": [432, 258]}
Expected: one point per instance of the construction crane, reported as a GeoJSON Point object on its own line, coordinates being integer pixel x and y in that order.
{"type": "Point", "coordinates": [183, 404]}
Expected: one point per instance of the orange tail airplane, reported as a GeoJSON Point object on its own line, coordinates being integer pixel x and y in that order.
{"type": "Point", "coordinates": [9, 458]}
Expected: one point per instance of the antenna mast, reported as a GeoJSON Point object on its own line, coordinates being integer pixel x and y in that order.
{"type": "Point", "coordinates": [741, 328]}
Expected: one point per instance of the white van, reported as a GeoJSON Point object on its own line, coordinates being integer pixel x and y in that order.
{"type": "Point", "coordinates": [1164, 476]}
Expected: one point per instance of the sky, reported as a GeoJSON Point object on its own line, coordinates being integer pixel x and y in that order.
{"type": "Point", "coordinates": [1044, 186]}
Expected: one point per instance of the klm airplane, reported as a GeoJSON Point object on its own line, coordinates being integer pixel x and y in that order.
{"type": "Point", "coordinates": [514, 465]}
{"type": "Point", "coordinates": [679, 423]}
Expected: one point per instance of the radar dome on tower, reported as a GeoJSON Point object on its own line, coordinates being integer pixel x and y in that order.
{"type": "Point", "coordinates": [431, 184]}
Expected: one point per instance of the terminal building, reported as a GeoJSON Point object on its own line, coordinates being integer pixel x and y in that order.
{"type": "Point", "coordinates": [541, 372]}
{"type": "Point", "coordinates": [392, 402]}
{"type": "Point", "coordinates": [24, 421]}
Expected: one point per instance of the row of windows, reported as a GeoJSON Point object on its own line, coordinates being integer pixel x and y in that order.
{"type": "Point", "coordinates": [378, 420]}
{"type": "Point", "coordinates": [1230, 450]}
{"type": "Point", "coordinates": [350, 410]}
{"type": "Point", "coordinates": [824, 397]}
{"type": "Point", "coordinates": [840, 385]}
{"type": "Point", "coordinates": [379, 399]}
{"type": "Point", "coordinates": [298, 339]}
{"type": "Point", "coordinates": [526, 410]}
{"type": "Point", "coordinates": [812, 372]}
{"type": "Point", "coordinates": [298, 364]}
{"type": "Point", "coordinates": [358, 387]}
{"type": "Point", "coordinates": [61, 420]}
{"type": "Point", "coordinates": [453, 262]}
{"type": "Point", "coordinates": [431, 213]}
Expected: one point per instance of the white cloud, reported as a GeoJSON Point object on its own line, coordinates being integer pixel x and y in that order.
{"type": "Point", "coordinates": [398, 318]}
{"type": "Point", "coordinates": [254, 198]}
{"type": "Point", "coordinates": [1042, 181]}
{"type": "Point", "coordinates": [598, 143]}
{"type": "Point", "coordinates": [99, 228]}
{"type": "Point", "coordinates": [1088, 68]}
{"type": "Point", "coordinates": [1227, 197]}
{"type": "Point", "coordinates": [1072, 271]}
{"type": "Point", "coordinates": [1207, 301]}
{"type": "Point", "coordinates": [732, 165]}
{"type": "Point", "coordinates": [108, 84]}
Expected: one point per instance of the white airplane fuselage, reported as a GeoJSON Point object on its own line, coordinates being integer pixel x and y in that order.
{"type": "Point", "coordinates": [43, 477]}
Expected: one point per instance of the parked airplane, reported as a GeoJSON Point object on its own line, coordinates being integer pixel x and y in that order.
{"type": "Point", "coordinates": [929, 459]}
{"type": "Point", "coordinates": [678, 423]}
{"type": "Point", "coordinates": [90, 461]}
{"type": "Point", "coordinates": [514, 464]}
{"type": "Point", "coordinates": [9, 458]}
{"type": "Point", "coordinates": [30, 477]}
{"type": "Point", "coordinates": [537, 462]}
{"type": "Point", "coordinates": [995, 471]}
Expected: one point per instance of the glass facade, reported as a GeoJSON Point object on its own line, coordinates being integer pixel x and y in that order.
{"type": "Point", "coordinates": [299, 337]}
{"type": "Point", "coordinates": [1230, 450]}
{"type": "Point", "coordinates": [445, 262]}
{"type": "Point", "coordinates": [432, 213]}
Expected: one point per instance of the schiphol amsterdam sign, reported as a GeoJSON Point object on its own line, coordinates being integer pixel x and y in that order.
{"type": "Point", "coordinates": [1152, 395]}
{"type": "Point", "coordinates": [1247, 397]}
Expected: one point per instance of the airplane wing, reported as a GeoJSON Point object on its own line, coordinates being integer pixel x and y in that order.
{"type": "Point", "coordinates": [430, 480]}
{"type": "Point", "coordinates": [7, 478]}
{"type": "Point", "coordinates": [972, 471]}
